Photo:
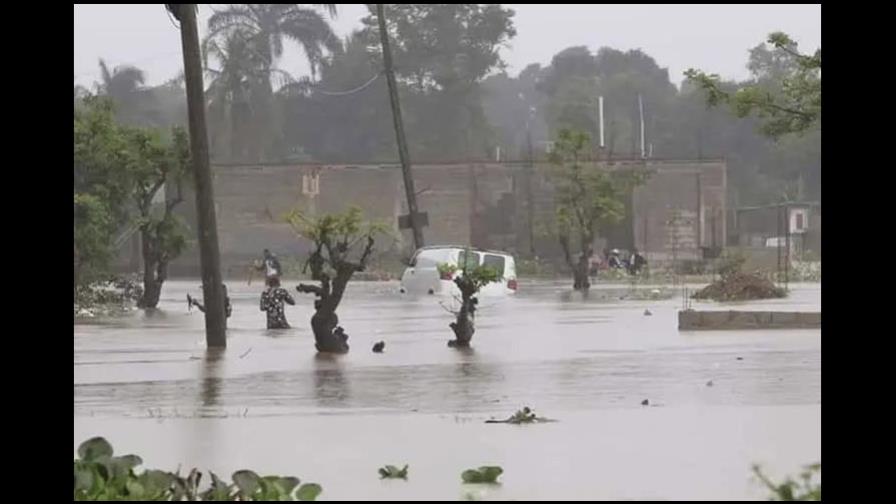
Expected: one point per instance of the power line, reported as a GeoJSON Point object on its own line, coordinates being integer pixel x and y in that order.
{"type": "Point", "coordinates": [351, 91]}
{"type": "Point", "coordinates": [289, 76]}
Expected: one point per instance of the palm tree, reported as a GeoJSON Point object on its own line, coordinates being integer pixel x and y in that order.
{"type": "Point", "coordinates": [262, 28]}
{"type": "Point", "coordinates": [124, 85]}
{"type": "Point", "coordinates": [265, 25]}
{"type": "Point", "coordinates": [230, 92]}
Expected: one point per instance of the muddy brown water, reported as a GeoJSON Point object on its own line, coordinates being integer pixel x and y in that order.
{"type": "Point", "coordinates": [146, 383]}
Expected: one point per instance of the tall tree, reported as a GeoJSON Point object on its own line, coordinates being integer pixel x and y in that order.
{"type": "Point", "coordinates": [124, 84]}
{"type": "Point", "coordinates": [786, 94]}
{"type": "Point", "coordinates": [263, 28]}
{"type": "Point", "coordinates": [586, 197]}
{"type": "Point", "coordinates": [442, 52]}
{"type": "Point", "coordinates": [157, 166]}
{"type": "Point", "coordinates": [230, 93]}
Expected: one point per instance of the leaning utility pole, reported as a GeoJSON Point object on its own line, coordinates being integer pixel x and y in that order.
{"type": "Point", "coordinates": [209, 255]}
{"type": "Point", "coordinates": [413, 216]}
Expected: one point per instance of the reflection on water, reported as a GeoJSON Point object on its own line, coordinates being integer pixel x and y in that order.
{"type": "Point", "coordinates": [331, 388]}
{"type": "Point", "coordinates": [211, 377]}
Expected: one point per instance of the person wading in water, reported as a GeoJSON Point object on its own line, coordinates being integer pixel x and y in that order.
{"type": "Point", "coordinates": [272, 300]}
{"type": "Point", "coordinates": [228, 309]}
{"type": "Point", "coordinates": [270, 265]}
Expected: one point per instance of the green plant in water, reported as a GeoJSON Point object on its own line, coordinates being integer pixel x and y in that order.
{"type": "Point", "coordinates": [391, 471]}
{"type": "Point", "coordinates": [523, 416]}
{"type": "Point", "coordinates": [485, 474]}
{"type": "Point", "coordinates": [806, 489]}
{"type": "Point", "coordinates": [100, 476]}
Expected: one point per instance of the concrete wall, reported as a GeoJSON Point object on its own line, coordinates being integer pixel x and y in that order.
{"type": "Point", "coordinates": [691, 320]}
{"type": "Point", "coordinates": [481, 204]}
{"type": "Point", "coordinates": [680, 209]}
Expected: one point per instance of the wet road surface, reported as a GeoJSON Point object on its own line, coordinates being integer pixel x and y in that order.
{"type": "Point", "coordinates": [269, 403]}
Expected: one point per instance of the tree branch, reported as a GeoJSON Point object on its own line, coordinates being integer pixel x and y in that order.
{"type": "Point", "coordinates": [314, 289]}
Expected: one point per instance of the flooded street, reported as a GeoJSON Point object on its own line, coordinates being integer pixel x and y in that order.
{"type": "Point", "coordinates": [147, 384]}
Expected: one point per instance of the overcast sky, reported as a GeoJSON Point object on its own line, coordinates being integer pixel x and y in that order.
{"type": "Point", "coordinates": [714, 38]}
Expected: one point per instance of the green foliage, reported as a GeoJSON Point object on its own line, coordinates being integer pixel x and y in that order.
{"type": "Point", "coordinates": [391, 471]}
{"type": "Point", "coordinates": [93, 228]}
{"type": "Point", "coordinates": [586, 195]}
{"type": "Point", "coordinates": [442, 52]}
{"type": "Point", "coordinates": [524, 415]}
{"type": "Point", "coordinates": [98, 475]}
{"type": "Point", "coordinates": [730, 263]}
{"type": "Point", "coordinates": [807, 488]}
{"type": "Point", "coordinates": [117, 170]}
{"type": "Point", "coordinates": [347, 226]}
{"type": "Point", "coordinates": [788, 100]}
{"type": "Point", "coordinates": [246, 42]}
{"type": "Point", "coordinates": [479, 275]}
{"type": "Point", "coordinates": [484, 474]}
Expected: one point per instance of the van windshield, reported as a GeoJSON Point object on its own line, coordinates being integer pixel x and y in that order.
{"type": "Point", "coordinates": [431, 258]}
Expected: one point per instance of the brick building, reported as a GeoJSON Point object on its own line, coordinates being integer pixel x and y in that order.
{"type": "Point", "coordinates": [679, 211]}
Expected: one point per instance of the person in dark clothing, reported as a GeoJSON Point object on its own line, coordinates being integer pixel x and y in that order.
{"type": "Point", "coordinates": [613, 261]}
{"type": "Point", "coordinates": [272, 300]}
{"type": "Point", "coordinates": [270, 265]}
{"type": "Point", "coordinates": [636, 263]}
{"type": "Point", "coordinates": [228, 309]}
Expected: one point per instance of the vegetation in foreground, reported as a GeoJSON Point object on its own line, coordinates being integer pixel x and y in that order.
{"type": "Point", "coordinates": [393, 472]}
{"type": "Point", "coordinates": [807, 488]}
{"type": "Point", "coordinates": [98, 475]}
{"type": "Point", "coordinates": [101, 476]}
{"type": "Point", "coordinates": [484, 474]}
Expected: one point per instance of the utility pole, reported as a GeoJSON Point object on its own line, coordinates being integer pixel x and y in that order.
{"type": "Point", "coordinates": [209, 255]}
{"type": "Point", "coordinates": [530, 197]}
{"type": "Point", "coordinates": [413, 216]}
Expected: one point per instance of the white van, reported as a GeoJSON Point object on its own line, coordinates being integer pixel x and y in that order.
{"type": "Point", "coordinates": [422, 274]}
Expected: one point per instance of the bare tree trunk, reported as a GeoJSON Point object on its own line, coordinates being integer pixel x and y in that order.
{"type": "Point", "coordinates": [155, 271]}
{"type": "Point", "coordinates": [328, 335]}
{"type": "Point", "coordinates": [464, 326]}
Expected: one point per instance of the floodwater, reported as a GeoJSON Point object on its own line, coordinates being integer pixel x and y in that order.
{"type": "Point", "coordinates": [269, 403]}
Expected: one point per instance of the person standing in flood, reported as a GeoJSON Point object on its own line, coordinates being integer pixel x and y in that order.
{"type": "Point", "coordinates": [228, 309]}
{"type": "Point", "coordinates": [272, 300]}
{"type": "Point", "coordinates": [270, 265]}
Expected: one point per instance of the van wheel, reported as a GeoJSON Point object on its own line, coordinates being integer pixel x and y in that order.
{"type": "Point", "coordinates": [430, 291]}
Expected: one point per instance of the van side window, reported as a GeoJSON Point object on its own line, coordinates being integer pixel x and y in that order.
{"type": "Point", "coordinates": [495, 261]}
{"type": "Point", "coordinates": [471, 261]}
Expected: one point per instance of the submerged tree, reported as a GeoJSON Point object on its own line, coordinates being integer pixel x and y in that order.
{"type": "Point", "coordinates": [586, 197]}
{"type": "Point", "coordinates": [333, 261]}
{"type": "Point", "coordinates": [118, 171]}
{"type": "Point", "coordinates": [471, 279]}
{"type": "Point", "coordinates": [154, 165]}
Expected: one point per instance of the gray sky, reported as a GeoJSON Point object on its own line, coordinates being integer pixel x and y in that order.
{"type": "Point", "coordinates": [714, 38]}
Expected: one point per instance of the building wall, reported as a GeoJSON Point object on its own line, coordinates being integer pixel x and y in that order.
{"type": "Point", "coordinates": [483, 204]}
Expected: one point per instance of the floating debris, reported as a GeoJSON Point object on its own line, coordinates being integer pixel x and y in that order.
{"type": "Point", "coordinates": [647, 312]}
{"type": "Point", "coordinates": [709, 383]}
{"type": "Point", "coordinates": [645, 402]}
{"type": "Point", "coordinates": [378, 347]}
{"type": "Point", "coordinates": [525, 415]}
{"type": "Point", "coordinates": [740, 287]}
